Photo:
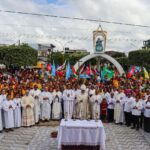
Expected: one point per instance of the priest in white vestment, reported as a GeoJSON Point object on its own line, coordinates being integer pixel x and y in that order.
{"type": "Point", "coordinates": [96, 101]}
{"type": "Point", "coordinates": [8, 107]}
{"type": "Point", "coordinates": [119, 108]}
{"type": "Point", "coordinates": [82, 104]}
{"type": "Point", "coordinates": [27, 104]}
{"type": "Point", "coordinates": [17, 111]}
{"type": "Point", "coordinates": [1, 106]}
{"type": "Point", "coordinates": [77, 92]}
{"type": "Point", "coordinates": [46, 101]}
{"type": "Point", "coordinates": [69, 98]}
{"type": "Point", "coordinates": [56, 109]}
{"type": "Point", "coordinates": [35, 93]}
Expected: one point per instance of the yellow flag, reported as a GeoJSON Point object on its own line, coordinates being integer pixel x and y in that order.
{"type": "Point", "coordinates": [146, 75]}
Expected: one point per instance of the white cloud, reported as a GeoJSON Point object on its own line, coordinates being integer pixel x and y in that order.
{"type": "Point", "coordinates": [35, 29]}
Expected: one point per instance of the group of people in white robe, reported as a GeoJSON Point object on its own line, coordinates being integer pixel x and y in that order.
{"type": "Point", "coordinates": [80, 103]}
{"type": "Point", "coordinates": [28, 110]}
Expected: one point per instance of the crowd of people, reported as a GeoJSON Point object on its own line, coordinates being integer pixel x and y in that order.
{"type": "Point", "coordinates": [28, 96]}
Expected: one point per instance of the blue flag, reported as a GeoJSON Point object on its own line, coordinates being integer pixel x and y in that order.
{"type": "Point", "coordinates": [68, 71]}
{"type": "Point", "coordinates": [53, 69]}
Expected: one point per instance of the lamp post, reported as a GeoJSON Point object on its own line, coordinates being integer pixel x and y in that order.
{"type": "Point", "coordinates": [63, 46]}
{"type": "Point", "coordinates": [50, 51]}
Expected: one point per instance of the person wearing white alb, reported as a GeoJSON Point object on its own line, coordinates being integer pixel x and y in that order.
{"type": "Point", "coordinates": [69, 98]}
{"type": "Point", "coordinates": [17, 111]}
{"type": "Point", "coordinates": [127, 109]}
{"type": "Point", "coordinates": [119, 107]}
{"type": "Point", "coordinates": [147, 115]}
{"type": "Point", "coordinates": [136, 112]}
{"type": "Point", "coordinates": [96, 100]}
{"type": "Point", "coordinates": [8, 107]}
{"type": "Point", "coordinates": [46, 101]}
{"type": "Point", "coordinates": [35, 93]}
{"type": "Point", "coordinates": [1, 121]}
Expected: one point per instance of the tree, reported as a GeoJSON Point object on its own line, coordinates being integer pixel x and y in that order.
{"type": "Point", "coordinates": [22, 55]}
{"type": "Point", "coordinates": [140, 58]}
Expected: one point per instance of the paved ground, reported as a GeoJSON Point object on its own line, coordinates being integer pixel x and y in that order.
{"type": "Point", "coordinates": [38, 138]}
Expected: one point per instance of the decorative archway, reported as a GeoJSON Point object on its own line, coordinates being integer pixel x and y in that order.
{"type": "Point", "coordinates": [109, 58]}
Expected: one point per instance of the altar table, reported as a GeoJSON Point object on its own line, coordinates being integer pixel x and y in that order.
{"type": "Point", "coordinates": [81, 133]}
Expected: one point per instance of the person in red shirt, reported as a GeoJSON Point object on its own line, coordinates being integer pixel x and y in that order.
{"type": "Point", "coordinates": [103, 110]}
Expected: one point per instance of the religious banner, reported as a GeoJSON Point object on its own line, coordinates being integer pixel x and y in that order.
{"type": "Point", "coordinates": [99, 40]}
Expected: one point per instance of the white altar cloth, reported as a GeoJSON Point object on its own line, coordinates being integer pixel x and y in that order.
{"type": "Point", "coordinates": [81, 132]}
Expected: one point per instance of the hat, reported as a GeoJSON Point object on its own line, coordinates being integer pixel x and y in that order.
{"type": "Point", "coordinates": [92, 92]}
{"type": "Point", "coordinates": [83, 87]}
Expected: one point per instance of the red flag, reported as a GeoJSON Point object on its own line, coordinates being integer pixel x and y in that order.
{"type": "Point", "coordinates": [131, 72]}
{"type": "Point", "coordinates": [48, 67]}
{"type": "Point", "coordinates": [93, 69]}
{"type": "Point", "coordinates": [88, 70]}
{"type": "Point", "coordinates": [81, 69]}
{"type": "Point", "coordinates": [73, 70]}
{"type": "Point", "coordinates": [60, 73]}
{"type": "Point", "coordinates": [116, 72]}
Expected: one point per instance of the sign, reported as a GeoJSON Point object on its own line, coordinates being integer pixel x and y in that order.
{"type": "Point", "coordinates": [99, 40]}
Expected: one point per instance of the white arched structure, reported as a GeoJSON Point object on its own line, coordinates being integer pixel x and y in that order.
{"type": "Point", "coordinates": [109, 58]}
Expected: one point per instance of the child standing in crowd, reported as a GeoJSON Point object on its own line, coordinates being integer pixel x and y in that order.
{"type": "Point", "coordinates": [103, 110]}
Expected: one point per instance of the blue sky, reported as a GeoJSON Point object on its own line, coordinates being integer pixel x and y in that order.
{"type": "Point", "coordinates": [52, 1]}
{"type": "Point", "coordinates": [47, 1]}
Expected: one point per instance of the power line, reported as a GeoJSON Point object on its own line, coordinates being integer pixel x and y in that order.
{"type": "Point", "coordinates": [74, 18]}
{"type": "Point", "coordinates": [64, 28]}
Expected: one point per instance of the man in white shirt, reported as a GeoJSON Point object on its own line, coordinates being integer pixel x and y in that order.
{"type": "Point", "coordinates": [127, 109]}
{"type": "Point", "coordinates": [147, 115]}
{"type": "Point", "coordinates": [136, 112]}
{"type": "Point", "coordinates": [110, 108]}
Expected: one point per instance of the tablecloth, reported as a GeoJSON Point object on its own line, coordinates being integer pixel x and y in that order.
{"type": "Point", "coordinates": [81, 132]}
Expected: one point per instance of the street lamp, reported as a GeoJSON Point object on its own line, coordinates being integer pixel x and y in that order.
{"type": "Point", "coordinates": [63, 44]}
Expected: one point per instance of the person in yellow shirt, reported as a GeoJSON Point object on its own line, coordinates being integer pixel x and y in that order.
{"type": "Point", "coordinates": [115, 83]}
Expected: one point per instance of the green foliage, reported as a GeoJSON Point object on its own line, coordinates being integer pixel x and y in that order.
{"type": "Point", "coordinates": [140, 58]}
{"type": "Point", "coordinates": [18, 56]}
{"type": "Point", "coordinates": [58, 58]}
{"type": "Point", "coordinates": [124, 61]}
{"type": "Point", "coordinates": [74, 57]}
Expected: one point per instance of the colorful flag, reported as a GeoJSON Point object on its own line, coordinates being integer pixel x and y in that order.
{"type": "Point", "coordinates": [146, 75]}
{"type": "Point", "coordinates": [81, 69]}
{"type": "Point", "coordinates": [88, 70]}
{"type": "Point", "coordinates": [74, 72]}
{"type": "Point", "coordinates": [53, 70]}
{"type": "Point", "coordinates": [62, 66]}
{"type": "Point", "coordinates": [48, 67]}
{"type": "Point", "coordinates": [111, 74]}
{"type": "Point", "coordinates": [68, 71]}
{"type": "Point", "coordinates": [84, 76]}
{"type": "Point", "coordinates": [131, 72]}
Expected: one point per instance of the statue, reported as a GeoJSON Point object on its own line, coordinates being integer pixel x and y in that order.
{"type": "Point", "coordinates": [99, 45]}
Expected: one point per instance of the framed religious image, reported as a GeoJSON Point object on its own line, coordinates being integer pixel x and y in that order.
{"type": "Point", "coordinates": [99, 41]}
